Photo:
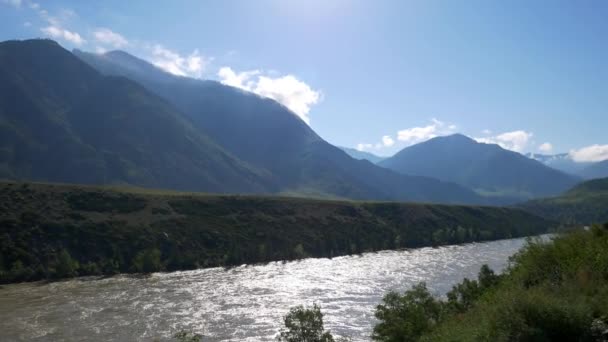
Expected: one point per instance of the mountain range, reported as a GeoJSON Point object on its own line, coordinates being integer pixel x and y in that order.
{"type": "Point", "coordinates": [362, 155]}
{"type": "Point", "coordinates": [116, 119]}
{"type": "Point", "coordinates": [112, 118]}
{"type": "Point", "coordinates": [564, 162]}
{"type": "Point", "coordinates": [487, 168]}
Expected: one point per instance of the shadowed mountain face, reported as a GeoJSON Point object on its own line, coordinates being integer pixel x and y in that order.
{"type": "Point", "coordinates": [62, 121]}
{"type": "Point", "coordinates": [487, 168]}
{"type": "Point", "coordinates": [267, 135]}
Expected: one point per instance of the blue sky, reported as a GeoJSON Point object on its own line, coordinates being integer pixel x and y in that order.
{"type": "Point", "coordinates": [381, 75]}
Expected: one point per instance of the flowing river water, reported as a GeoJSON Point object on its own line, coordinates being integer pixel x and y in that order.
{"type": "Point", "coordinates": [245, 303]}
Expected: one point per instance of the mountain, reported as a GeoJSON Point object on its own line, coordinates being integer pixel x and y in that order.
{"type": "Point", "coordinates": [361, 155]}
{"type": "Point", "coordinates": [269, 136]}
{"type": "Point", "coordinates": [585, 203]}
{"type": "Point", "coordinates": [62, 121]}
{"type": "Point", "coordinates": [596, 170]}
{"type": "Point", "coordinates": [487, 168]}
{"type": "Point", "coordinates": [560, 161]}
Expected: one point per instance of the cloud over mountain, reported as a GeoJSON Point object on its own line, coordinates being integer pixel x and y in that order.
{"type": "Point", "coordinates": [291, 92]}
{"type": "Point", "coordinates": [515, 141]}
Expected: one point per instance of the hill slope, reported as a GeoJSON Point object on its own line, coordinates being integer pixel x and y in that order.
{"type": "Point", "coordinates": [586, 203]}
{"type": "Point", "coordinates": [362, 155]}
{"type": "Point", "coordinates": [62, 121]}
{"type": "Point", "coordinates": [597, 170]}
{"type": "Point", "coordinates": [486, 168]}
{"type": "Point", "coordinates": [266, 134]}
{"type": "Point", "coordinates": [109, 230]}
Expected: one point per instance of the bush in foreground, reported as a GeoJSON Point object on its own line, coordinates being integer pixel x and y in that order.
{"type": "Point", "coordinates": [553, 291]}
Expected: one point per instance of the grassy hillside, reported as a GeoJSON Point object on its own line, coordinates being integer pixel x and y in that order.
{"type": "Point", "coordinates": [552, 291]}
{"type": "Point", "coordinates": [51, 231]}
{"type": "Point", "coordinates": [584, 204]}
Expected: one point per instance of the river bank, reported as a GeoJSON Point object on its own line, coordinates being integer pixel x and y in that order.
{"type": "Point", "coordinates": [50, 231]}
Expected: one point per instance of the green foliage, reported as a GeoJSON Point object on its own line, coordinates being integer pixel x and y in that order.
{"type": "Point", "coordinates": [147, 261]}
{"type": "Point", "coordinates": [65, 267]}
{"type": "Point", "coordinates": [304, 325]}
{"type": "Point", "coordinates": [582, 205]}
{"type": "Point", "coordinates": [109, 231]}
{"type": "Point", "coordinates": [406, 317]}
{"type": "Point", "coordinates": [464, 295]}
{"type": "Point", "coordinates": [553, 291]}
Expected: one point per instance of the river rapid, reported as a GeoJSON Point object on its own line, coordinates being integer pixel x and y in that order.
{"type": "Point", "coordinates": [245, 303]}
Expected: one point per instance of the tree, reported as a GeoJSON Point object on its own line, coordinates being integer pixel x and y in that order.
{"type": "Point", "coordinates": [304, 325]}
{"type": "Point", "coordinates": [464, 295]}
{"type": "Point", "coordinates": [487, 278]}
{"type": "Point", "coordinates": [66, 267]}
{"type": "Point", "coordinates": [147, 261]}
{"type": "Point", "coordinates": [405, 317]}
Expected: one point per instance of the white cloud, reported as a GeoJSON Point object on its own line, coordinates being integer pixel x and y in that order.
{"type": "Point", "coordinates": [363, 147]}
{"type": "Point", "coordinates": [486, 132]}
{"type": "Point", "coordinates": [545, 147]}
{"type": "Point", "coordinates": [294, 94]}
{"type": "Point", "coordinates": [192, 65]}
{"type": "Point", "coordinates": [593, 153]}
{"type": "Point", "coordinates": [415, 135]}
{"type": "Point", "coordinates": [412, 135]}
{"type": "Point", "coordinates": [107, 36]}
{"type": "Point", "coordinates": [34, 5]}
{"type": "Point", "coordinates": [60, 33]}
{"type": "Point", "coordinates": [240, 80]}
{"type": "Point", "coordinates": [15, 3]}
{"type": "Point", "coordinates": [515, 141]}
{"type": "Point", "coordinates": [388, 141]}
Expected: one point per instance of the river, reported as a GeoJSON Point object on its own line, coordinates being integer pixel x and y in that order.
{"type": "Point", "coordinates": [245, 303]}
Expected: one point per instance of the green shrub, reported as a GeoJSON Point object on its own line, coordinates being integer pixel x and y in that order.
{"type": "Point", "coordinates": [304, 325]}
{"type": "Point", "coordinates": [406, 317]}
{"type": "Point", "coordinates": [147, 261]}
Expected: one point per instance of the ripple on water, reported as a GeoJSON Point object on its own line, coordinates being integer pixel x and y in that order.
{"type": "Point", "coordinates": [245, 303]}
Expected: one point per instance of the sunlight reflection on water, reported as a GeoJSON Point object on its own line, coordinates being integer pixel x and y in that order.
{"type": "Point", "coordinates": [245, 303]}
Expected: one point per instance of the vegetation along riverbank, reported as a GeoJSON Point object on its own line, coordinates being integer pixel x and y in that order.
{"type": "Point", "coordinates": [55, 231]}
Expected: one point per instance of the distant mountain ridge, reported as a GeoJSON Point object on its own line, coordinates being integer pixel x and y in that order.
{"type": "Point", "coordinates": [362, 155]}
{"type": "Point", "coordinates": [488, 168]}
{"type": "Point", "coordinates": [560, 161]}
{"type": "Point", "coordinates": [267, 135]}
